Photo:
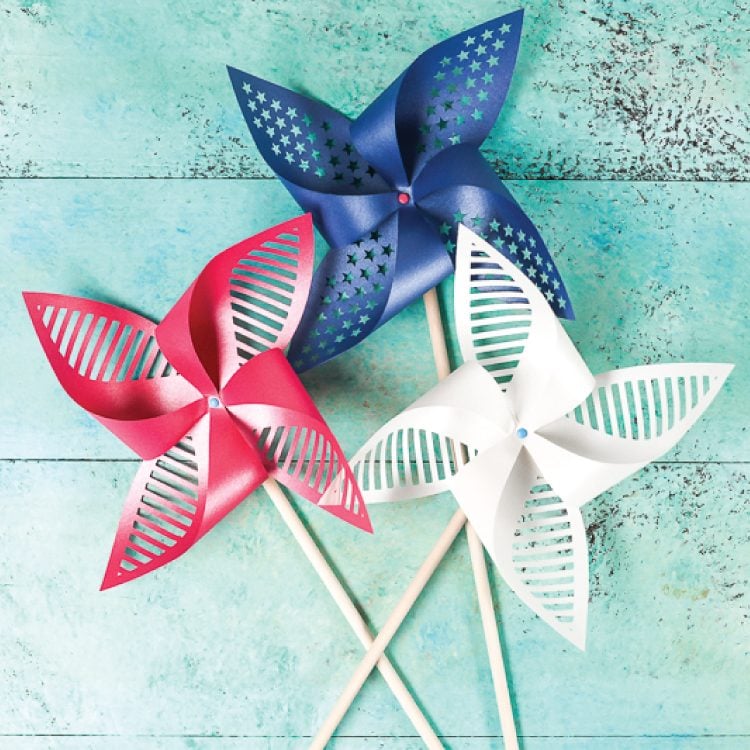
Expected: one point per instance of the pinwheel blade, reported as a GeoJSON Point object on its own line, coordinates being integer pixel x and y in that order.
{"type": "Point", "coordinates": [536, 538]}
{"type": "Point", "coordinates": [307, 143]}
{"type": "Point", "coordinates": [108, 361]}
{"type": "Point", "coordinates": [631, 418]}
{"type": "Point", "coordinates": [504, 323]}
{"type": "Point", "coordinates": [348, 296]}
{"type": "Point", "coordinates": [452, 93]}
{"type": "Point", "coordinates": [163, 510]}
{"type": "Point", "coordinates": [247, 300]}
{"type": "Point", "coordinates": [419, 452]}
{"type": "Point", "coordinates": [301, 453]}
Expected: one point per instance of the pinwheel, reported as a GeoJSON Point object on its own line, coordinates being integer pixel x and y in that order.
{"type": "Point", "coordinates": [388, 190]}
{"type": "Point", "coordinates": [210, 403]}
{"type": "Point", "coordinates": [523, 435]}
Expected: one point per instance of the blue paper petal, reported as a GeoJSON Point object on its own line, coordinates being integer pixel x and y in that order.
{"type": "Point", "coordinates": [458, 165]}
{"type": "Point", "coordinates": [453, 92]}
{"type": "Point", "coordinates": [374, 134]}
{"type": "Point", "coordinates": [342, 219]}
{"type": "Point", "coordinates": [497, 218]}
{"type": "Point", "coordinates": [421, 263]}
{"type": "Point", "coordinates": [305, 142]}
{"type": "Point", "coordinates": [348, 296]}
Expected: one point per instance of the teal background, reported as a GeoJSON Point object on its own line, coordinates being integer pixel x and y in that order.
{"type": "Point", "coordinates": [126, 164]}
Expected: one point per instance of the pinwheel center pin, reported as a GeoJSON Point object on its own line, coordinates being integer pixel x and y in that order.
{"type": "Point", "coordinates": [403, 198]}
{"type": "Point", "coordinates": [522, 432]}
{"type": "Point", "coordinates": [214, 402]}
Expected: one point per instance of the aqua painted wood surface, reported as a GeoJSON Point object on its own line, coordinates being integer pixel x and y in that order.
{"type": "Point", "coordinates": [237, 644]}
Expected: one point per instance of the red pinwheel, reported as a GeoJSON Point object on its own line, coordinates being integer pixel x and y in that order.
{"type": "Point", "coordinates": [206, 397]}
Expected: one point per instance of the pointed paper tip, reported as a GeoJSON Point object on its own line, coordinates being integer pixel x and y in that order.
{"type": "Point", "coordinates": [367, 525]}
{"type": "Point", "coordinates": [514, 15]}
{"type": "Point", "coordinates": [464, 233]}
{"type": "Point", "coordinates": [32, 300]}
{"type": "Point", "coordinates": [723, 369]}
{"type": "Point", "coordinates": [302, 227]}
{"type": "Point", "coordinates": [116, 576]}
{"type": "Point", "coordinates": [360, 522]}
{"type": "Point", "coordinates": [331, 502]}
{"type": "Point", "coordinates": [239, 77]}
{"type": "Point", "coordinates": [576, 635]}
{"type": "Point", "coordinates": [235, 75]}
{"type": "Point", "coordinates": [109, 582]}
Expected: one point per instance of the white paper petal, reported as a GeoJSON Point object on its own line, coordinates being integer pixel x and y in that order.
{"type": "Point", "coordinates": [419, 451]}
{"type": "Point", "coordinates": [535, 537]}
{"type": "Point", "coordinates": [504, 322]}
{"type": "Point", "coordinates": [633, 416]}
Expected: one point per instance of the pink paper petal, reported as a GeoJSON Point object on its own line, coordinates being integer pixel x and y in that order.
{"type": "Point", "coordinates": [177, 498]}
{"type": "Point", "coordinates": [247, 299]}
{"type": "Point", "coordinates": [108, 361]}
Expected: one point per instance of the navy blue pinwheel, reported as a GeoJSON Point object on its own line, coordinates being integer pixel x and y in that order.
{"type": "Point", "coordinates": [389, 189]}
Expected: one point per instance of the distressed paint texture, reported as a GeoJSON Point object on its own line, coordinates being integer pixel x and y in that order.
{"type": "Point", "coordinates": [603, 88]}
{"type": "Point", "coordinates": [218, 650]}
{"type": "Point", "coordinates": [237, 644]}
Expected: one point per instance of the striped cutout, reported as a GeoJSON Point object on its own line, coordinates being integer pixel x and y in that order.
{"type": "Point", "coordinates": [499, 315]}
{"type": "Point", "coordinates": [410, 458]}
{"type": "Point", "coordinates": [262, 288]}
{"type": "Point", "coordinates": [644, 408]}
{"type": "Point", "coordinates": [310, 461]}
{"type": "Point", "coordinates": [161, 517]}
{"type": "Point", "coordinates": [550, 562]}
{"type": "Point", "coordinates": [102, 348]}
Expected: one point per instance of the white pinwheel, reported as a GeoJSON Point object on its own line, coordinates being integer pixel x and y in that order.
{"type": "Point", "coordinates": [523, 434]}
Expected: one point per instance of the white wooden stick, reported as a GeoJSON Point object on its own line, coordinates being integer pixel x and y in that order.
{"type": "Point", "coordinates": [350, 612]}
{"type": "Point", "coordinates": [476, 551]}
{"type": "Point", "coordinates": [375, 652]}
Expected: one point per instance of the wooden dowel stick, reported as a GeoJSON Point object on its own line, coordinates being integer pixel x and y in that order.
{"type": "Point", "coordinates": [476, 551]}
{"type": "Point", "coordinates": [481, 578]}
{"type": "Point", "coordinates": [375, 652]}
{"type": "Point", "coordinates": [350, 612]}
{"type": "Point", "coordinates": [492, 639]}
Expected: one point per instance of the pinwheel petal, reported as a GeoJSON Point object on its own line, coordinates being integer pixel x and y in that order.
{"type": "Point", "coordinates": [108, 361]}
{"type": "Point", "coordinates": [536, 538]}
{"type": "Point", "coordinates": [300, 451]}
{"type": "Point", "coordinates": [305, 142]}
{"type": "Point", "coordinates": [177, 498]}
{"type": "Point", "coordinates": [421, 261]}
{"type": "Point", "coordinates": [414, 456]}
{"type": "Point", "coordinates": [453, 92]}
{"type": "Point", "coordinates": [496, 217]}
{"type": "Point", "coordinates": [348, 297]}
{"type": "Point", "coordinates": [419, 452]}
{"type": "Point", "coordinates": [504, 323]}
{"type": "Point", "coordinates": [164, 509]}
{"type": "Point", "coordinates": [247, 299]}
{"type": "Point", "coordinates": [280, 420]}
{"type": "Point", "coordinates": [632, 417]}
